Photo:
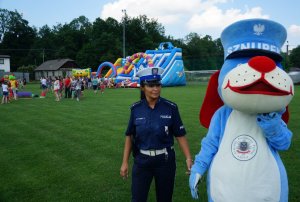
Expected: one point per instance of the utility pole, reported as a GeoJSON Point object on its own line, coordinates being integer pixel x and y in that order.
{"type": "Point", "coordinates": [43, 55]}
{"type": "Point", "coordinates": [124, 22]}
{"type": "Point", "coordinates": [287, 54]}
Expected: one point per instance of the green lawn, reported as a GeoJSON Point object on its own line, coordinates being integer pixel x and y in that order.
{"type": "Point", "coordinates": [72, 151]}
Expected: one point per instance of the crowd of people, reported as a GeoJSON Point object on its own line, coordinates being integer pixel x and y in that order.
{"type": "Point", "coordinates": [68, 87]}
{"type": "Point", "coordinates": [73, 87]}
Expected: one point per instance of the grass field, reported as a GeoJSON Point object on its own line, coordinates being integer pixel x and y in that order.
{"type": "Point", "coordinates": [72, 151]}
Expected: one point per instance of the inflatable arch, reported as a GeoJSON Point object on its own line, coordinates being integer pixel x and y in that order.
{"type": "Point", "coordinates": [106, 64]}
{"type": "Point", "coordinates": [137, 56]}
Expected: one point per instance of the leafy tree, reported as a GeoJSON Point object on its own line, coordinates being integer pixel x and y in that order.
{"type": "Point", "coordinates": [202, 53]}
{"type": "Point", "coordinates": [5, 18]}
{"type": "Point", "coordinates": [104, 45]}
{"type": "Point", "coordinates": [17, 39]}
{"type": "Point", "coordinates": [88, 56]}
{"type": "Point", "coordinates": [43, 47]}
{"type": "Point", "coordinates": [27, 69]}
{"type": "Point", "coordinates": [69, 38]}
{"type": "Point", "coordinates": [143, 33]}
{"type": "Point", "coordinates": [90, 44]}
{"type": "Point", "coordinates": [295, 57]}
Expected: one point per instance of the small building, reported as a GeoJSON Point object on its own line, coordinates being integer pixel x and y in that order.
{"type": "Point", "coordinates": [53, 68]}
{"type": "Point", "coordinates": [294, 73]}
{"type": "Point", "coordinates": [5, 63]}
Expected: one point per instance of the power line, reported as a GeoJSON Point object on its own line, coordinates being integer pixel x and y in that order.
{"type": "Point", "coordinates": [25, 49]}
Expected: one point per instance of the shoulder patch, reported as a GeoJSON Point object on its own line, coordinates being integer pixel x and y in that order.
{"type": "Point", "coordinates": [169, 103]}
{"type": "Point", "coordinates": [135, 104]}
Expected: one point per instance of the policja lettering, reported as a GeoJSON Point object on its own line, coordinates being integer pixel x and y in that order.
{"type": "Point", "coordinates": [165, 116]}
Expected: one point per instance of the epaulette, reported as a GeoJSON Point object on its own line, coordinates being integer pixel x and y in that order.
{"type": "Point", "coordinates": [135, 104]}
{"type": "Point", "coordinates": [169, 102]}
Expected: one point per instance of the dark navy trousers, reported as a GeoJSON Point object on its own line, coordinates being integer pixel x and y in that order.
{"type": "Point", "coordinates": [162, 168]}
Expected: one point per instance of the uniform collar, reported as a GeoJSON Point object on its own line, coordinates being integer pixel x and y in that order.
{"type": "Point", "coordinates": [156, 104]}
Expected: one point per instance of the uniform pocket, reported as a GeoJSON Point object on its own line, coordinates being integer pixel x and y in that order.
{"type": "Point", "coordinates": [140, 124]}
{"type": "Point", "coordinates": [140, 121]}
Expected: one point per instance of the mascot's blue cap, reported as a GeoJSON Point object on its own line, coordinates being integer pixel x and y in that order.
{"type": "Point", "coordinates": [253, 37]}
{"type": "Point", "coordinates": [150, 74]}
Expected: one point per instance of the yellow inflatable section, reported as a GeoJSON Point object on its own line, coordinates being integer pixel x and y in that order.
{"type": "Point", "coordinates": [116, 64]}
{"type": "Point", "coordinates": [81, 72]}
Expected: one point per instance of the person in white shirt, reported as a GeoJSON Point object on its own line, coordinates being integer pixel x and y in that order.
{"type": "Point", "coordinates": [78, 88]}
{"type": "Point", "coordinates": [5, 93]}
{"type": "Point", "coordinates": [44, 83]}
{"type": "Point", "coordinates": [56, 88]}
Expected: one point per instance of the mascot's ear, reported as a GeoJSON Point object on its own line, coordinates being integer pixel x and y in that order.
{"type": "Point", "coordinates": [286, 115]}
{"type": "Point", "coordinates": [212, 101]}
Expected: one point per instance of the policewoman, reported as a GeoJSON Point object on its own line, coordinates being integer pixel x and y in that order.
{"type": "Point", "coordinates": [153, 124]}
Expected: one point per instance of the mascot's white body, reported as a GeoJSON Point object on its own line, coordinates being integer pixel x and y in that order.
{"type": "Point", "coordinates": [240, 148]}
{"type": "Point", "coordinates": [259, 176]}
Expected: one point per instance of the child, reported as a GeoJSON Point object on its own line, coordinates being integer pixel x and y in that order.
{"type": "Point", "coordinates": [73, 86]}
{"type": "Point", "coordinates": [56, 88]}
{"type": "Point", "coordinates": [95, 84]}
{"type": "Point", "coordinates": [78, 88]}
{"type": "Point", "coordinates": [102, 86]}
{"type": "Point", "coordinates": [5, 93]}
{"type": "Point", "coordinates": [14, 87]}
{"type": "Point", "coordinates": [82, 81]}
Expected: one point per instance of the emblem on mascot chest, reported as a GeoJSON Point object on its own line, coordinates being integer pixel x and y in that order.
{"type": "Point", "coordinates": [244, 148]}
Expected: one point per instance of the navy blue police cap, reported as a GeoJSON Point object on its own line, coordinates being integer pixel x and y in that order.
{"type": "Point", "coordinates": [150, 75]}
{"type": "Point", "coordinates": [252, 37]}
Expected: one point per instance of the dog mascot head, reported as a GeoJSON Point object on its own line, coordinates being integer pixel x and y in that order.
{"type": "Point", "coordinates": [251, 79]}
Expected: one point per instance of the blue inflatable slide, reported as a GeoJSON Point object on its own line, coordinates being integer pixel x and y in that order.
{"type": "Point", "coordinates": [167, 57]}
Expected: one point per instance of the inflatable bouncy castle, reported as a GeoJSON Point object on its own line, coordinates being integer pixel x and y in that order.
{"type": "Point", "coordinates": [166, 56]}
{"type": "Point", "coordinates": [81, 72]}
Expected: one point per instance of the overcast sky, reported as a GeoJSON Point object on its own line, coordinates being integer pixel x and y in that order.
{"type": "Point", "coordinates": [179, 17]}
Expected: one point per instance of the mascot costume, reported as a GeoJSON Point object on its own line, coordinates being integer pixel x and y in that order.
{"type": "Point", "coordinates": [245, 108]}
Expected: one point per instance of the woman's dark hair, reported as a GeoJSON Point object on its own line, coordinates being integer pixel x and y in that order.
{"type": "Point", "coordinates": [143, 96]}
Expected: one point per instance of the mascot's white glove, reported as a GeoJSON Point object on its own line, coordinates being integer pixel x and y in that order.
{"type": "Point", "coordinates": [194, 181]}
{"type": "Point", "coordinates": [270, 123]}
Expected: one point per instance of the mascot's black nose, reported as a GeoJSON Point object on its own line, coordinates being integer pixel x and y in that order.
{"type": "Point", "coordinates": [262, 64]}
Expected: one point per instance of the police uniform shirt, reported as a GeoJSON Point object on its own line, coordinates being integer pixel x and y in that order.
{"type": "Point", "coordinates": [155, 128]}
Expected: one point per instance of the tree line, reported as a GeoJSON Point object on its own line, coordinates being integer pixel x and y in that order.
{"type": "Point", "coordinates": [91, 43]}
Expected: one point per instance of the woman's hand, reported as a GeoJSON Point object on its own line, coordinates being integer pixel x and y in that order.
{"type": "Point", "coordinates": [189, 163]}
{"type": "Point", "coordinates": [126, 153]}
{"type": "Point", "coordinates": [124, 170]}
{"type": "Point", "coordinates": [186, 150]}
